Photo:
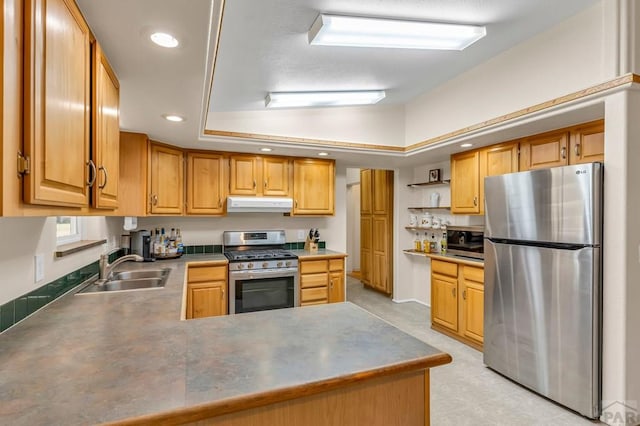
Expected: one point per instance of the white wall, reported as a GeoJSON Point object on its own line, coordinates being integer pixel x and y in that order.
{"type": "Point", "coordinates": [562, 60]}
{"type": "Point", "coordinates": [208, 230]}
{"type": "Point", "coordinates": [25, 237]}
{"type": "Point", "coordinates": [372, 125]}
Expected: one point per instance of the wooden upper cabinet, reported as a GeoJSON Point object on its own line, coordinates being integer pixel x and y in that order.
{"type": "Point", "coordinates": [366, 191]}
{"type": "Point", "coordinates": [465, 187]}
{"type": "Point", "coordinates": [496, 160]}
{"type": "Point", "coordinates": [106, 131]}
{"type": "Point", "coordinates": [165, 180]}
{"type": "Point", "coordinates": [243, 175]}
{"type": "Point", "coordinates": [382, 200]}
{"type": "Point", "coordinates": [132, 185]}
{"type": "Point", "coordinates": [276, 176]}
{"type": "Point", "coordinates": [57, 89]}
{"type": "Point", "coordinates": [205, 183]}
{"type": "Point", "coordinates": [587, 143]}
{"type": "Point", "coordinates": [544, 151]}
{"type": "Point", "coordinates": [313, 187]}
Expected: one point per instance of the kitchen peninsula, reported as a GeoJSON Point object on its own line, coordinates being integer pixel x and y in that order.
{"type": "Point", "coordinates": [127, 358]}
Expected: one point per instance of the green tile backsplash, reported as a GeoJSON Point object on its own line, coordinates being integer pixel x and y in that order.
{"type": "Point", "coordinates": [18, 309]}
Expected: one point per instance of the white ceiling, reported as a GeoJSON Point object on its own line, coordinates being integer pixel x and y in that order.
{"type": "Point", "coordinates": [263, 48]}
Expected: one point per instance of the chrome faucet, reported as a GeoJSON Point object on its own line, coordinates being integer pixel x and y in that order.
{"type": "Point", "coordinates": [106, 267]}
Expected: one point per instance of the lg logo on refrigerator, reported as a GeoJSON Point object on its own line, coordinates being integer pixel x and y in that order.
{"type": "Point", "coordinates": [581, 172]}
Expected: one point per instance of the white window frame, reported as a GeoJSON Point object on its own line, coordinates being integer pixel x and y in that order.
{"type": "Point", "coordinates": [75, 236]}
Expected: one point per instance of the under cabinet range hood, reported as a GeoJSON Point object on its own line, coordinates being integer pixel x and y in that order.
{"type": "Point", "coordinates": [259, 204]}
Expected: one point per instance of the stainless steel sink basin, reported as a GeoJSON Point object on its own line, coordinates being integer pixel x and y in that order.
{"type": "Point", "coordinates": [129, 280]}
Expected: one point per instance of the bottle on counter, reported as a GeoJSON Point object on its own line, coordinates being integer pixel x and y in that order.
{"type": "Point", "coordinates": [443, 242]}
{"type": "Point", "coordinates": [179, 244]}
{"type": "Point", "coordinates": [163, 242]}
{"type": "Point", "coordinates": [433, 244]}
{"type": "Point", "coordinates": [425, 244]}
{"type": "Point", "coordinates": [417, 243]}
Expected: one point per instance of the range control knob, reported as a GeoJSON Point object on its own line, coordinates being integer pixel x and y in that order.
{"type": "Point", "coordinates": [265, 264]}
{"type": "Point", "coordinates": [240, 266]}
{"type": "Point", "coordinates": [250, 266]}
{"type": "Point", "coordinates": [279, 265]}
{"type": "Point", "coordinates": [287, 263]}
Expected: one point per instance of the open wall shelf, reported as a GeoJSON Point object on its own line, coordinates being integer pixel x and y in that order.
{"type": "Point", "coordinates": [438, 182]}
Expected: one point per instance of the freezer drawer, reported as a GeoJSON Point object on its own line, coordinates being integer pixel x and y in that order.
{"type": "Point", "coordinates": [542, 321]}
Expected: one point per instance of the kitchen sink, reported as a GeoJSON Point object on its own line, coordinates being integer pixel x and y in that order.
{"type": "Point", "coordinates": [129, 280]}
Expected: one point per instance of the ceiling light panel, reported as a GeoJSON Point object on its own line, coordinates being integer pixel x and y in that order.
{"type": "Point", "coordinates": [353, 31]}
{"type": "Point", "coordinates": [164, 40]}
{"type": "Point", "coordinates": [316, 99]}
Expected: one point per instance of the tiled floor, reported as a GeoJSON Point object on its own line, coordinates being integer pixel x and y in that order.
{"type": "Point", "coordinates": [464, 392]}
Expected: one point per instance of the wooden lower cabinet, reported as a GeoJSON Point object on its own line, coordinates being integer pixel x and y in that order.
{"type": "Point", "coordinates": [457, 301]}
{"type": "Point", "coordinates": [206, 290]}
{"type": "Point", "coordinates": [322, 280]}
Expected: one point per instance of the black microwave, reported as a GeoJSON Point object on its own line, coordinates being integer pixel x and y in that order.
{"type": "Point", "coordinates": [466, 241]}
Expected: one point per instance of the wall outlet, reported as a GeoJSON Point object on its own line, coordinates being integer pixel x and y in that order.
{"type": "Point", "coordinates": [39, 267]}
{"type": "Point", "coordinates": [301, 234]}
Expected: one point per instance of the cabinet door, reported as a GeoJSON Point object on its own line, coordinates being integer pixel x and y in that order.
{"type": "Point", "coordinates": [473, 310]}
{"type": "Point", "coordinates": [381, 254]}
{"type": "Point", "coordinates": [132, 185]}
{"type": "Point", "coordinates": [587, 143]}
{"type": "Point", "coordinates": [313, 187]}
{"type": "Point", "coordinates": [243, 175]}
{"type": "Point", "coordinates": [444, 301]}
{"type": "Point", "coordinates": [365, 191]}
{"type": "Point", "coordinates": [547, 150]}
{"type": "Point", "coordinates": [275, 174]}
{"type": "Point", "coordinates": [205, 183]}
{"type": "Point", "coordinates": [106, 131]}
{"type": "Point", "coordinates": [497, 160]}
{"type": "Point", "coordinates": [382, 192]}
{"type": "Point", "coordinates": [206, 299]}
{"type": "Point", "coordinates": [57, 88]}
{"type": "Point", "coordinates": [165, 180]}
{"type": "Point", "coordinates": [465, 190]}
{"type": "Point", "coordinates": [336, 287]}
{"type": "Point", "coordinates": [366, 228]}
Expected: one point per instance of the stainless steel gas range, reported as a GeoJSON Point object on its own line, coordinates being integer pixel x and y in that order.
{"type": "Point", "coordinates": [263, 275]}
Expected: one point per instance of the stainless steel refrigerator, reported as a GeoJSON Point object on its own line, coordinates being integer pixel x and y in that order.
{"type": "Point", "coordinates": [543, 281]}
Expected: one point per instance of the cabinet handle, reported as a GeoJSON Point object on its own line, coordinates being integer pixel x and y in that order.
{"type": "Point", "coordinates": [254, 184]}
{"type": "Point", "coordinates": [154, 199]}
{"type": "Point", "coordinates": [106, 177]}
{"type": "Point", "coordinates": [92, 172]}
{"type": "Point", "coordinates": [223, 294]}
{"type": "Point", "coordinates": [475, 201]}
{"type": "Point", "coordinates": [331, 283]}
{"type": "Point", "coordinates": [464, 294]}
{"type": "Point", "coordinates": [265, 183]}
{"type": "Point", "coordinates": [577, 150]}
{"type": "Point", "coordinates": [296, 202]}
{"type": "Point", "coordinates": [219, 202]}
{"type": "Point", "coordinates": [453, 292]}
{"type": "Point", "coordinates": [563, 152]}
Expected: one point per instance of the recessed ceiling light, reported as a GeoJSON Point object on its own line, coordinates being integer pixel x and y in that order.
{"type": "Point", "coordinates": [466, 145]}
{"type": "Point", "coordinates": [358, 31]}
{"type": "Point", "coordinates": [266, 149]}
{"type": "Point", "coordinates": [323, 154]}
{"type": "Point", "coordinates": [306, 99]}
{"type": "Point", "coordinates": [174, 118]}
{"type": "Point", "coordinates": [164, 39]}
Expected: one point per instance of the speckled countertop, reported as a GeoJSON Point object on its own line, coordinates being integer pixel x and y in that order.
{"type": "Point", "coordinates": [320, 253]}
{"type": "Point", "coordinates": [94, 358]}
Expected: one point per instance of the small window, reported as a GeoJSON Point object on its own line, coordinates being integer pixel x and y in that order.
{"type": "Point", "coordinates": [67, 230]}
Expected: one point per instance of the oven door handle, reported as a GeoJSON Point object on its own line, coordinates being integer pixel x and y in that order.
{"type": "Point", "coordinates": [265, 273]}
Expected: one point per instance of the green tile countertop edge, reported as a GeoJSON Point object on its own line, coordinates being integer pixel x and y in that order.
{"type": "Point", "coordinates": [18, 309]}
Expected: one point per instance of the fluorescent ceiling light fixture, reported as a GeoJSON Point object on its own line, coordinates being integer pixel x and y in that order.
{"type": "Point", "coordinates": [355, 31]}
{"type": "Point", "coordinates": [323, 154]}
{"type": "Point", "coordinates": [466, 145]}
{"type": "Point", "coordinates": [164, 40]}
{"type": "Point", "coordinates": [308, 99]}
{"type": "Point", "coordinates": [266, 149]}
{"type": "Point", "coordinates": [173, 117]}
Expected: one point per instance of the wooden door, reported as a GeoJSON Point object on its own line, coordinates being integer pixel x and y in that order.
{"type": "Point", "coordinates": [276, 176]}
{"type": "Point", "coordinates": [165, 180]}
{"type": "Point", "coordinates": [465, 190]}
{"type": "Point", "coordinates": [243, 175]}
{"type": "Point", "coordinates": [497, 160]}
{"type": "Point", "coordinates": [106, 131]}
{"type": "Point", "coordinates": [57, 94]}
{"type": "Point", "coordinates": [543, 151]}
{"type": "Point", "coordinates": [366, 249]}
{"type": "Point", "coordinates": [381, 254]}
{"type": "Point", "coordinates": [205, 183]}
{"type": "Point", "coordinates": [444, 301]}
{"type": "Point", "coordinates": [366, 191]}
{"type": "Point", "coordinates": [382, 199]}
{"type": "Point", "coordinates": [587, 143]}
{"type": "Point", "coordinates": [313, 187]}
{"type": "Point", "coordinates": [336, 286]}
{"type": "Point", "coordinates": [206, 299]}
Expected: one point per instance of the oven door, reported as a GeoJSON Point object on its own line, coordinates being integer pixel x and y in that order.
{"type": "Point", "coordinates": [261, 290]}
